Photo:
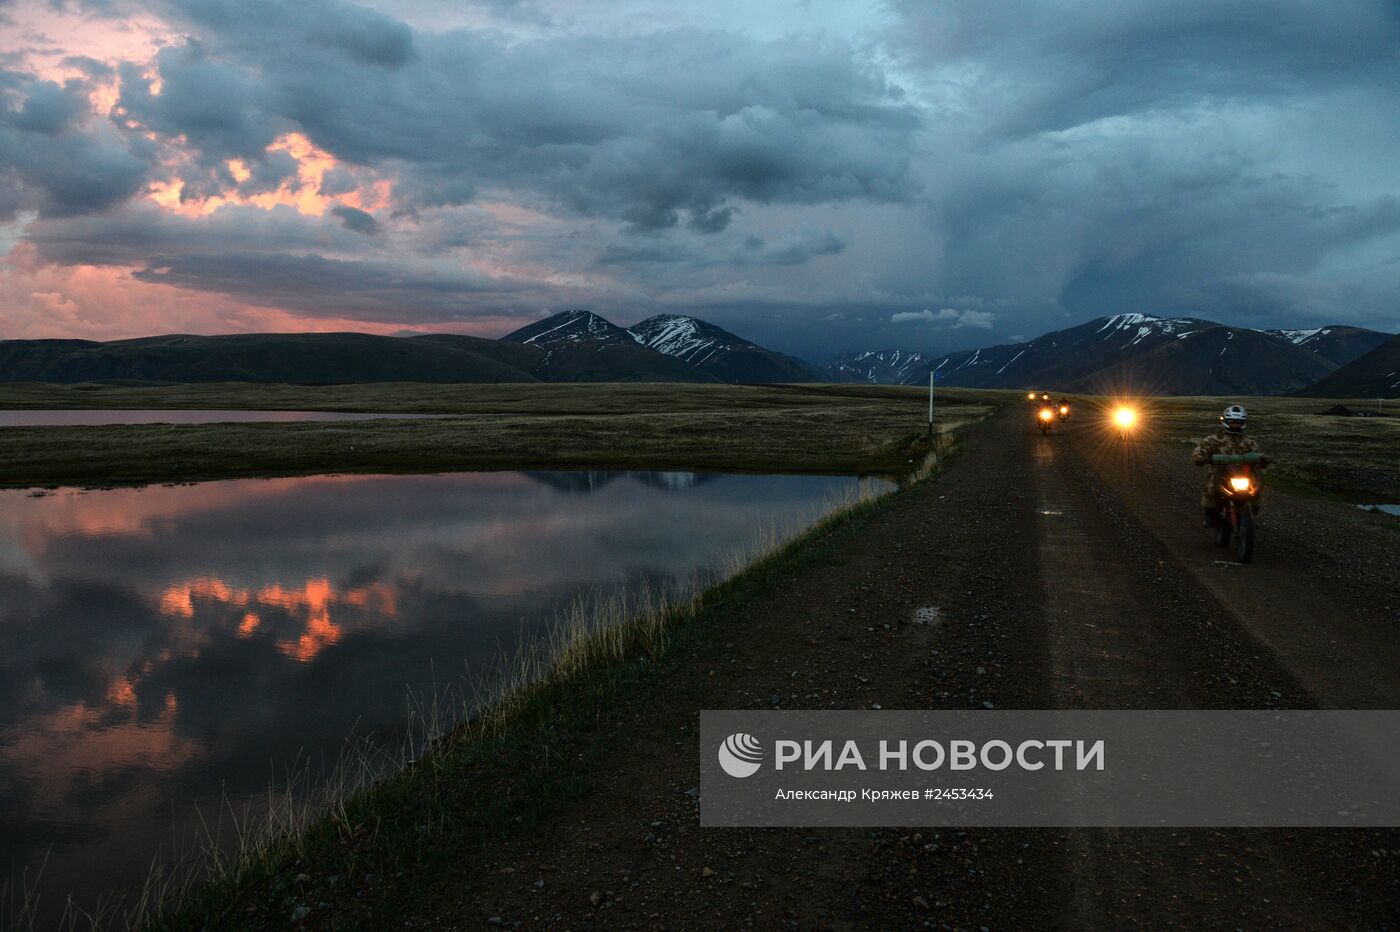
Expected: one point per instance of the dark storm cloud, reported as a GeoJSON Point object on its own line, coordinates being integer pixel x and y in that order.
{"type": "Point", "coordinates": [94, 69]}
{"type": "Point", "coordinates": [1052, 66]}
{"type": "Point", "coordinates": [366, 36]}
{"type": "Point", "coordinates": [216, 106]}
{"type": "Point", "coordinates": [274, 258]}
{"type": "Point", "coordinates": [794, 249]}
{"type": "Point", "coordinates": [356, 220]}
{"type": "Point", "coordinates": [54, 159]}
{"type": "Point", "coordinates": [129, 237]}
{"type": "Point", "coordinates": [91, 7]}
{"type": "Point", "coordinates": [657, 130]}
{"type": "Point", "coordinates": [49, 109]}
{"type": "Point", "coordinates": [318, 286]}
{"type": "Point", "coordinates": [1224, 159]}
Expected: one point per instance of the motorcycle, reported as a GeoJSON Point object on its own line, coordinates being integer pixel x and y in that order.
{"type": "Point", "coordinates": [1064, 413]}
{"type": "Point", "coordinates": [1047, 419]}
{"type": "Point", "coordinates": [1236, 494]}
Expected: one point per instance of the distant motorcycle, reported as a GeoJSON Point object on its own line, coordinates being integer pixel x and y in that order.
{"type": "Point", "coordinates": [1047, 419]}
{"type": "Point", "coordinates": [1237, 492]}
{"type": "Point", "coordinates": [1064, 412]}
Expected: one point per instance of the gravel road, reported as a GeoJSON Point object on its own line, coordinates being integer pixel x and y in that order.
{"type": "Point", "coordinates": [1066, 572]}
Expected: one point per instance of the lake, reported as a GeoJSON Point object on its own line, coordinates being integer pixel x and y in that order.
{"type": "Point", "coordinates": [99, 417]}
{"type": "Point", "coordinates": [165, 645]}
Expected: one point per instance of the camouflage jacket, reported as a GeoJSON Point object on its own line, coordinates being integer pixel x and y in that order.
{"type": "Point", "coordinates": [1222, 442]}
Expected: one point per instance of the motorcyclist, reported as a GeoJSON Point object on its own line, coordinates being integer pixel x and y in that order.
{"type": "Point", "coordinates": [1063, 407]}
{"type": "Point", "coordinates": [1229, 439]}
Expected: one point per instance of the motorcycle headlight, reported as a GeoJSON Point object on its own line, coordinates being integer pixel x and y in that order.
{"type": "Point", "coordinates": [1064, 410]}
{"type": "Point", "coordinates": [1045, 414]}
{"type": "Point", "coordinates": [1239, 483]}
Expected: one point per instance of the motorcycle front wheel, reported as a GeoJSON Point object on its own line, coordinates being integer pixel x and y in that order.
{"type": "Point", "coordinates": [1222, 528]}
{"type": "Point", "coordinates": [1244, 537]}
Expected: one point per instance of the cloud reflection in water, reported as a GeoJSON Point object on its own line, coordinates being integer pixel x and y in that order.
{"type": "Point", "coordinates": [165, 645]}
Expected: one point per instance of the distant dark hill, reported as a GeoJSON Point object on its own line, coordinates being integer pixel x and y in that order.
{"type": "Point", "coordinates": [1375, 375]}
{"type": "Point", "coordinates": [1135, 352]}
{"type": "Point", "coordinates": [294, 358]}
{"type": "Point", "coordinates": [1217, 360]}
{"type": "Point", "coordinates": [1338, 344]}
{"type": "Point", "coordinates": [718, 352]}
{"type": "Point", "coordinates": [581, 346]}
{"type": "Point", "coordinates": [585, 349]}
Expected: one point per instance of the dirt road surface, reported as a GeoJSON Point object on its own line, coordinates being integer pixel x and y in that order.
{"type": "Point", "coordinates": [1067, 572]}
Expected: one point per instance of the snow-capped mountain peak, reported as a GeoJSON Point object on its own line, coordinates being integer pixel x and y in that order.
{"type": "Point", "coordinates": [1143, 326]}
{"type": "Point", "coordinates": [569, 327]}
{"type": "Point", "coordinates": [714, 349]}
{"type": "Point", "coordinates": [880, 367]}
{"type": "Point", "coordinates": [1301, 337]}
{"type": "Point", "coordinates": [685, 337]}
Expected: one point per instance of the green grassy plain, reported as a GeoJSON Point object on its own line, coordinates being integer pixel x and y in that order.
{"type": "Point", "coordinates": [760, 428]}
{"type": "Point", "coordinates": [783, 428]}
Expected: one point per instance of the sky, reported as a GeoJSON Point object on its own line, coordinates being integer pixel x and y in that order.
{"type": "Point", "coordinates": [815, 175]}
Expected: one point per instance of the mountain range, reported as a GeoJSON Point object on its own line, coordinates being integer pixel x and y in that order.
{"type": "Point", "coordinates": [1124, 352]}
{"type": "Point", "coordinates": [1132, 352]}
{"type": "Point", "coordinates": [1373, 375]}
{"type": "Point", "coordinates": [667, 348]}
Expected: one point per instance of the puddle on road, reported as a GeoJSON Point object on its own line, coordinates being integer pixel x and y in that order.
{"type": "Point", "coordinates": [1051, 512]}
{"type": "Point", "coordinates": [1383, 509]}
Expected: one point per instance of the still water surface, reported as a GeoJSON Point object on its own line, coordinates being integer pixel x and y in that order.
{"type": "Point", "coordinates": [167, 644]}
{"type": "Point", "coordinates": [99, 417]}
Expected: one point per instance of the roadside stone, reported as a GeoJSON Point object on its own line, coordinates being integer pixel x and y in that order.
{"type": "Point", "coordinates": [300, 913]}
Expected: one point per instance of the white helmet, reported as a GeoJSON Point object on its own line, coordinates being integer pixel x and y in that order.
{"type": "Point", "coordinates": [1234, 418]}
